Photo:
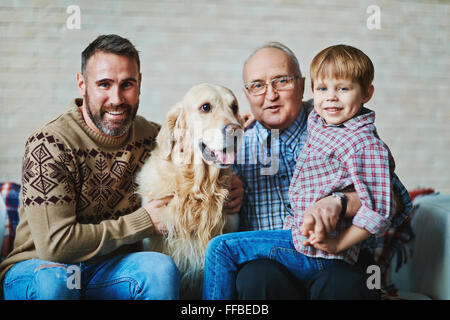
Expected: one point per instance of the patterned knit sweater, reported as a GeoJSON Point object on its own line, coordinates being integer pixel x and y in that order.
{"type": "Point", "coordinates": [78, 200]}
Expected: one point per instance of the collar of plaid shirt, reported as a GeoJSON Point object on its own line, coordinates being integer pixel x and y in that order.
{"type": "Point", "coordinates": [365, 117]}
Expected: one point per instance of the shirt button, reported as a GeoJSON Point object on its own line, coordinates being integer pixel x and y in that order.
{"type": "Point", "coordinates": [324, 126]}
{"type": "Point", "coordinates": [309, 145]}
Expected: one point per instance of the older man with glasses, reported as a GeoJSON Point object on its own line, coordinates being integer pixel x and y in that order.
{"type": "Point", "coordinates": [265, 164]}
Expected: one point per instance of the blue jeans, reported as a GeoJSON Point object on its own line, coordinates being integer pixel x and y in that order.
{"type": "Point", "coordinates": [225, 253]}
{"type": "Point", "coordinates": [135, 276]}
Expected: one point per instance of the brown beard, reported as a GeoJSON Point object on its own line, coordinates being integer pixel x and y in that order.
{"type": "Point", "coordinates": [104, 126]}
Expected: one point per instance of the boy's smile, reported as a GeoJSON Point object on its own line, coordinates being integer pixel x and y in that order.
{"type": "Point", "coordinates": [338, 100]}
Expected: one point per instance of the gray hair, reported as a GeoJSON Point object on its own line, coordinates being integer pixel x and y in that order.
{"type": "Point", "coordinates": [279, 46]}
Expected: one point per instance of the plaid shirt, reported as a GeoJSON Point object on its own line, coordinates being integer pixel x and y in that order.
{"type": "Point", "coordinates": [265, 164]}
{"type": "Point", "coordinates": [337, 157]}
{"type": "Point", "coordinates": [266, 201]}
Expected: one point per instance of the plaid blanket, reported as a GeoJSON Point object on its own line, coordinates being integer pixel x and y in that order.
{"type": "Point", "coordinates": [11, 195]}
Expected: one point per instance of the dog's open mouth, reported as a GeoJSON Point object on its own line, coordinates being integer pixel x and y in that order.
{"type": "Point", "coordinates": [221, 158]}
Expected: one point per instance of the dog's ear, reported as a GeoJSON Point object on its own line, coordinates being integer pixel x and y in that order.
{"type": "Point", "coordinates": [169, 132]}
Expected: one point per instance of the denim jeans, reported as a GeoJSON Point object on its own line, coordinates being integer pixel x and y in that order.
{"type": "Point", "coordinates": [225, 253]}
{"type": "Point", "coordinates": [135, 276]}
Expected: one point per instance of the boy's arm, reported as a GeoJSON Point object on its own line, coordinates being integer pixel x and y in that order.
{"type": "Point", "coordinates": [350, 237]}
{"type": "Point", "coordinates": [370, 171]}
{"type": "Point", "coordinates": [371, 206]}
{"type": "Point", "coordinates": [323, 215]}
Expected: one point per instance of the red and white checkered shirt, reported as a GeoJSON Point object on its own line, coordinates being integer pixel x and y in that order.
{"type": "Point", "coordinates": [336, 157]}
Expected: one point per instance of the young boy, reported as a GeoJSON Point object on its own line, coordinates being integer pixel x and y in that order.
{"type": "Point", "coordinates": [343, 151]}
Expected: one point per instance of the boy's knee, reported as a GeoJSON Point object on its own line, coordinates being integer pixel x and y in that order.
{"type": "Point", "coordinates": [216, 243]}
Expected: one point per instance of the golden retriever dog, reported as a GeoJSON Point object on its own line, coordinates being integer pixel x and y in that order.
{"type": "Point", "coordinates": [191, 162]}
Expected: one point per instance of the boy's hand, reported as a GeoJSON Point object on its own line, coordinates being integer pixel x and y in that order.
{"type": "Point", "coordinates": [321, 218]}
{"type": "Point", "coordinates": [329, 244]}
{"type": "Point", "coordinates": [350, 237]}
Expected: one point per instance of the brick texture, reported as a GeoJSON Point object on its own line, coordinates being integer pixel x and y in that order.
{"type": "Point", "coordinates": [183, 43]}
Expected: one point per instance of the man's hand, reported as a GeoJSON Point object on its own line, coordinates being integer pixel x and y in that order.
{"type": "Point", "coordinates": [155, 209]}
{"type": "Point", "coordinates": [248, 119]}
{"type": "Point", "coordinates": [321, 218]}
{"type": "Point", "coordinates": [234, 201]}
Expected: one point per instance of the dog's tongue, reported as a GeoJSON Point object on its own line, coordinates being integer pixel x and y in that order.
{"type": "Point", "coordinates": [225, 157]}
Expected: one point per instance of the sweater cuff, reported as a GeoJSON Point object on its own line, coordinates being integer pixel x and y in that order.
{"type": "Point", "coordinates": [140, 222]}
{"type": "Point", "coordinates": [371, 221]}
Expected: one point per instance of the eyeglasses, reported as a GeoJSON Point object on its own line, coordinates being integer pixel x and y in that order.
{"type": "Point", "coordinates": [257, 88]}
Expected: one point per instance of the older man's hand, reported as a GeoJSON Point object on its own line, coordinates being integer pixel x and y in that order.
{"type": "Point", "coordinates": [321, 218]}
{"type": "Point", "coordinates": [248, 118]}
{"type": "Point", "coordinates": [233, 203]}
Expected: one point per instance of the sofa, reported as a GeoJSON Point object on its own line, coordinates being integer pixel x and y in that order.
{"type": "Point", "coordinates": [425, 273]}
{"type": "Point", "coordinates": [414, 258]}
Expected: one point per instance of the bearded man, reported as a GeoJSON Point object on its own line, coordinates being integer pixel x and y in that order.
{"type": "Point", "coordinates": [81, 224]}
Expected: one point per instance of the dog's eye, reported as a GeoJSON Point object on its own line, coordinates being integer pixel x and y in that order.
{"type": "Point", "coordinates": [205, 107]}
{"type": "Point", "coordinates": [234, 107]}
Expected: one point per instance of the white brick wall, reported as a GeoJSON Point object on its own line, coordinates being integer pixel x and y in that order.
{"type": "Point", "coordinates": [186, 42]}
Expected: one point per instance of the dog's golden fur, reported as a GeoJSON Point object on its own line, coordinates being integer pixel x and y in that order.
{"type": "Point", "coordinates": [199, 185]}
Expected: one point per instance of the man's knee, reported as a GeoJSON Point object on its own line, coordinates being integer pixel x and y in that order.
{"type": "Point", "coordinates": [341, 282]}
{"type": "Point", "coordinates": [267, 279]}
{"type": "Point", "coordinates": [157, 274]}
{"type": "Point", "coordinates": [52, 282]}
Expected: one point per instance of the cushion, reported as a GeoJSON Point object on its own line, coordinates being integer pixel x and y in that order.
{"type": "Point", "coordinates": [427, 271]}
{"type": "Point", "coordinates": [10, 193]}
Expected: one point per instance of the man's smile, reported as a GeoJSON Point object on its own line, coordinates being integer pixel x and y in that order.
{"type": "Point", "coordinates": [274, 107]}
{"type": "Point", "coordinates": [116, 114]}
